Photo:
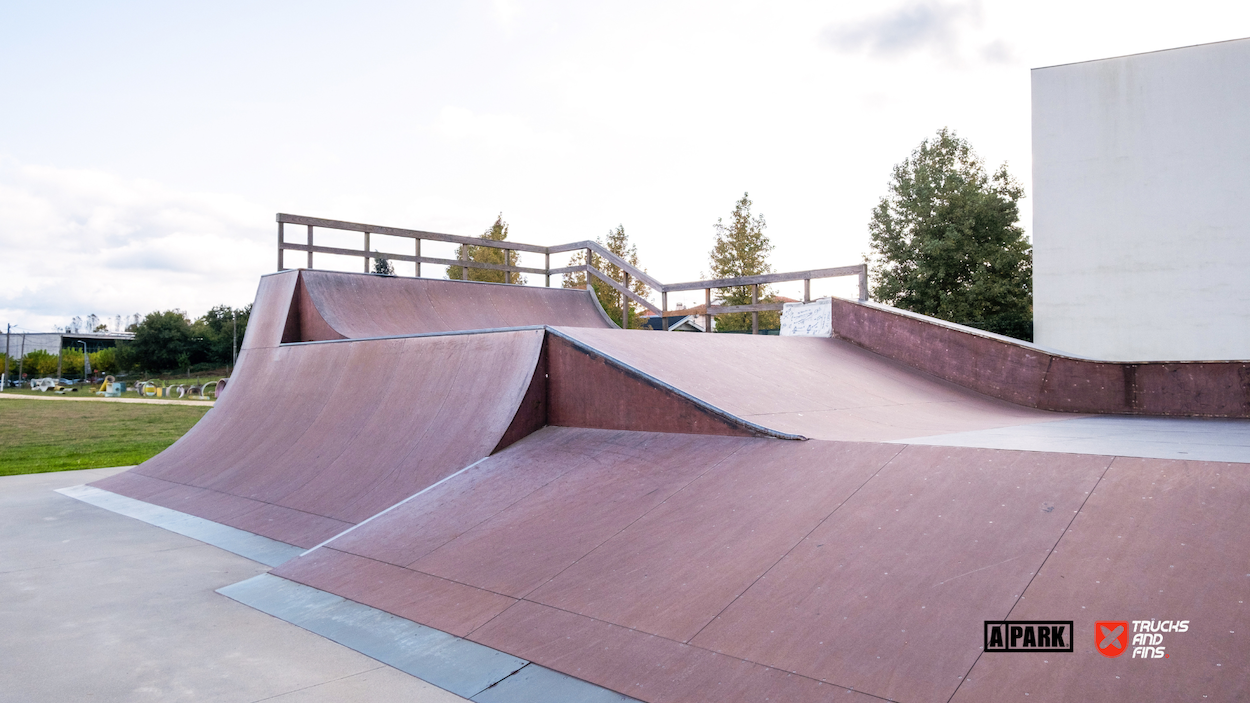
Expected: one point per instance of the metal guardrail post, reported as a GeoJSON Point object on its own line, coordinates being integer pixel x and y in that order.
{"type": "Point", "coordinates": [625, 306]}
{"type": "Point", "coordinates": [310, 243]}
{"type": "Point", "coordinates": [755, 316]}
{"type": "Point", "coordinates": [367, 252]}
{"type": "Point", "coordinates": [589, 265]}
{"type": "Point", "coordinates": [464, 262]}
{"type": "Point", "coordinates": [863, 283]}
{"type": "Point", "coordinates": [418, 262]}
{"type": "Point", "coordinates": [707, 309]}
{"type": "Point", "coordinates": [281, 251]}
{"type": "Point", "coordinates": [807, 290]}
{"type": "Point", "coordinates": [547, 266]}
{"type": "Point", "coordinates": [664, 311]}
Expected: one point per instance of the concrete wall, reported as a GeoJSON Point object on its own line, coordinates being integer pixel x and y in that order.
{"type": "Point", "coordinates": [1141, 227]}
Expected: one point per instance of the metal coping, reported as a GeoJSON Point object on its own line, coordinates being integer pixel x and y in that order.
{"type": "Point", "coordinates": [455, 664]}
{"type": "Point", "coordinates": [453, 333]}
{"type": "Point", "coordinates": [246, 544]}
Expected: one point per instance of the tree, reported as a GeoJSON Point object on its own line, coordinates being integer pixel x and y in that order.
{"type": "Point", "coordinates": [742, 249]}
{"type": "Point", "coordinates": [946, 240]}
{"type": "Point", "coordinates": [39, 363]}
{"type": "Point", "coordinates": [215, 333]}
{"type": "Point", "coordinates": [382, 265]}
{"type": "Point", "coordinates": [618, 243]}
{"type": "Point", "coordinates": [161, 339]}
{"type": "Point", "coordinates": [488, 255]}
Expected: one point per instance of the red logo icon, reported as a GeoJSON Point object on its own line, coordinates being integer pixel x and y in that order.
{"type": "Point", "coordinates": [1111, 637]}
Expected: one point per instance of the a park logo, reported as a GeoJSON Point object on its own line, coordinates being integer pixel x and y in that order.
{"type": "Point", "coordinates": [1028, 635]}
{"type": "Point", "coordinates": [1111, 636]}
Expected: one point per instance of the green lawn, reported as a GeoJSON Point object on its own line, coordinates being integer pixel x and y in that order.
{"type": "Point", "coordinates": [38, 436]}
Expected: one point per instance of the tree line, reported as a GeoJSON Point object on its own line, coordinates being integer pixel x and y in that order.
{"type": "Point", "coordinates": [165, 341]}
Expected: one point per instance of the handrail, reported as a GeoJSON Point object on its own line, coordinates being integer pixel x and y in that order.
{"type": "Point", "coordinates": [587, 246]}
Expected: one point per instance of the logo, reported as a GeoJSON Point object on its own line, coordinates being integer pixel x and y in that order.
{"type": "Point", "coordinates": [1028, 635]}
{"type": "Point", "coordinates": [1111, 637]}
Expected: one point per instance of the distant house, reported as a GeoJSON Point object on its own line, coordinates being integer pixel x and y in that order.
{"type": "Point", "coordinates": [690, 319]}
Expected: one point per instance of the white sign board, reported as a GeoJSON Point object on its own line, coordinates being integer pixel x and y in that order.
{"type": "Point", "coordinates": [814, 319]}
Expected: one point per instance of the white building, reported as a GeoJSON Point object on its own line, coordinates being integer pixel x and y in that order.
{"type": "Point", "coordinates": [1141, 186]}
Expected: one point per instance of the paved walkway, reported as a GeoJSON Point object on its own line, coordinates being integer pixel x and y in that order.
{"type": "Point", "coordinates": [97, 606]}
{"type": "Point", "coordinates": [52, 396]}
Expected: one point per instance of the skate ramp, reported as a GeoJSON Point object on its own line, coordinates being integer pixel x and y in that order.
{"type": "Point", "coordinates": [814, 387]}
{"type": "Point", "coordinates": [656, 538]}
{"type": "Point", "coordinates": [684, 568]}
{"type": "Point", "coordinates": [357, 306]}
{"type": "Point", "coordinates": [311, 439]}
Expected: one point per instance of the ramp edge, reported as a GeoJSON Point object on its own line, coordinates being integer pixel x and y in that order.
{"type": "Point", "coordinates": [269, 552]}
{"type": "Point", "coordinates": [463, 667]}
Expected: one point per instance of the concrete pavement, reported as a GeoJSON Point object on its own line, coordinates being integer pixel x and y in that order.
{"type": "Point", "coordinates": [95, 606]}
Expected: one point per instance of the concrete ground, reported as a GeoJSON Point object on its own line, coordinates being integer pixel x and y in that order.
{"type": "Point", "coordinates": [95, 606]}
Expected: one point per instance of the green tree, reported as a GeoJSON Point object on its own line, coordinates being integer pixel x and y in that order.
{"type": "Point", "coordinates": [160, 339]}
{"type": "Point", "coordinates": [382, 265]}
{"type": "Point", "coordinates": [103, 361]}
{"type": "Point", "coordinates": [488, 255]}
{"type": "Point", "coordinates": [39, 364]}
{"type": "Point", "coordinates": [618, 243]}
{"type": "Point", "coordinates": [742, 249]}
{"type": "Point", "coordinates": [71, 362]}
{"type": "Point", "coordinates": [946, 240]}
{"type": "Point", "coordinates": [215, 333]}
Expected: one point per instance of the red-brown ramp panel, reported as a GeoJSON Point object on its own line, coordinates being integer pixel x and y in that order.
{"type": "Point", "coordinates": [1157, 540]}
{"type": "Point", "coordinates": [361, 305]}
{"type": "Point", "coordinates": [312, 438]}
{"type": "Point", "coordinates": [691, 568]}
{"type": "Point", "coordinates": [818, 388]}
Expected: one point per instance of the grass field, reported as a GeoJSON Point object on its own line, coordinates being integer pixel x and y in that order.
{"type": "Point", "coordinates": [37, 436]}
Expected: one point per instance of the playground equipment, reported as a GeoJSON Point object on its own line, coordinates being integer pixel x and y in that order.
{"type": "Point", "coordinates": [110, 388]}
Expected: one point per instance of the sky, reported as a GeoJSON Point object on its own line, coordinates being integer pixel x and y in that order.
{"type": "Point", "coordinates": [145, 147]}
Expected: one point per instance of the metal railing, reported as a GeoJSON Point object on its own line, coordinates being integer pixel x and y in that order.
{"type": "Point", "coordinates": [590, 250]}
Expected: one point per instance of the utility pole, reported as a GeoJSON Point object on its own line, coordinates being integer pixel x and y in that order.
{"type": "Point", "coordinates": [4, 380]}
{"type": "Point", "coordinates": [21, 359]}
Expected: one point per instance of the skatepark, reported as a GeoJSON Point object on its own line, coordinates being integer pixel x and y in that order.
{"type": "Point", "coordinates": [493, 489]}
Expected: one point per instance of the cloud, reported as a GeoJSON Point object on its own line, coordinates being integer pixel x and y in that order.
{"type": "Point", "coordinates": [919, 26]}
{"type": "Point", "coordinates": [78, 242]}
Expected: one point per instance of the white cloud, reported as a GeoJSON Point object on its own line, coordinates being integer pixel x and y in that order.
{"type": "Point", "coordinates": [79, 242]}
{"type": "Point", "coordinates": [935, 27]}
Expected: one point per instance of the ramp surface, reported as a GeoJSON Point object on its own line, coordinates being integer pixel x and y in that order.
{"type": "Point", "coordinates": [681, 568]}
{"type": "Point", "coordinates": [309, 439]}
{"type": "Point", "coordinates": [358, 305]}
{"type": "Point", "coordinates": [818, 388]}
